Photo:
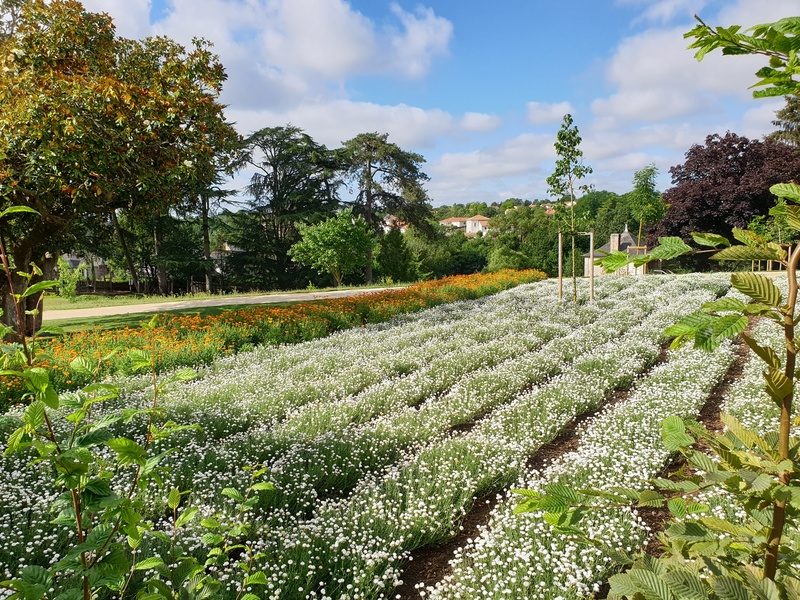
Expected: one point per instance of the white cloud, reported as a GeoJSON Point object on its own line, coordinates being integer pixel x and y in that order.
{"type": "Point", "coordinates": [131, 17]}
{"type": "Point", "coordinates": [481, 122]}
{"type": "Point", "coordinates": [664, 11]}
{"type": "Point", "coordinates": [336, 121]}
{"type": "Point", "coordinates": [542, 113]}
{"type": "Point", "coordinates": [424, 37]}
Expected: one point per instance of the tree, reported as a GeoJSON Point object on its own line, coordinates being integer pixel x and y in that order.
{"type": "Point", "coordinates": [90, 123]}
{"type": "Point", "coordinates": [564, 181]}
{"type": "Point", "coordinates": [338, 246]}
{"type": "Point", "coordinates": [388, 180]}
{"type": "Point", "coordinates": [788, 123]}
{"type": "Point", "coordinates": [645, 202]}
{"type": "Point", "coordinates": [295, 182]}
{"type": "Point", "coordinates": [394, 257]}
{"type": "Point", "coordinates": [724, 184]}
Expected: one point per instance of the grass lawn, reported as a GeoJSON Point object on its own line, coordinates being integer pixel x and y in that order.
{"type": "Point", "coordinates": [99, 300]}
{"type": "Point", "coordinates": [136, 319]}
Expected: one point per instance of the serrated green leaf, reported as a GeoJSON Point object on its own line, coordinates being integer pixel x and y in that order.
{"type": "Point", "coordinates": [553, 504]}
{"type": "Point", "coordinates": [677, 506]}
{"type": "Point", "coordinates": [728, 588]}
{"type": "Point", "coordinates": [793, 217]}
{"type": "Point", "coordinates": [759, 288]}
{"type": "Point", "coordinates": [233, 493]}
{"type": "Point", "coordinates": [257, 578]}
{"type": "Point", "coordinates": [263, 485]}
{"type": "Point", "coordinates": [669, 248]}
{"type": "Point", "coordinates": [36, 288]}
{"type": "Point", "coordinates": [566, 492]}
{"type": "Point", "coordinates": [723, 526]}
{"type": "Point", "coordinates": [81, 365]}
{"type": "Point", "coordinates": [34, 415]}
{"type": "Point", "coordinates": [614, 261]}
{"type": "Point", "coordinates": [174, 498]}
{"type": "Point", "coordinates": [127, 450]}
{"type": "Point", "coordinates": [765, 353]}
{"type": "Point", "coordinates": [654, 586]}
{"type": "Point", "coordinates": [650, 498]}
{"type": "Point", "coordinates": [724, 305]}
{"type": "Point", "coordinates": [148, 563]}
{"type": "Point", "coordinates": [778, 385]}
{"type": "Point", "coordinates": [686, 585]}
{"type": "Point", "coordinates": [186, 516]}
{"type": "Point", "coordinates": [747, 253]}
{"type": "Point", "coordinates": [709, 239]}
{"type": "Point", "coordinates": [789, 191]}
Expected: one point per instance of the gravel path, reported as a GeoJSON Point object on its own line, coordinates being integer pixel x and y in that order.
{"type": "Point", "coordinates": [105, 311]}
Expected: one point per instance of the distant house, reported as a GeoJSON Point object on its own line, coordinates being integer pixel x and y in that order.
{"type": "Point", "coordinates": [477, 224]}
{"type": "Point", "coordinates": [391, 222]}
{"type": "Point", "coordinates": [457, 222]}
{"type": "Point", "coordinates": [619, 242]}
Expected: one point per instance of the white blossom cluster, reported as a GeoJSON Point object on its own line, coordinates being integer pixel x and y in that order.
{"type": "Point", "coordinates": [378, 439]}
{"type": "Point", "coordinates": [520, 557]}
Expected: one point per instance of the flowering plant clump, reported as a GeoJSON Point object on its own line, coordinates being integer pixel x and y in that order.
{"type": "Point", "coordinates": [197, 340]}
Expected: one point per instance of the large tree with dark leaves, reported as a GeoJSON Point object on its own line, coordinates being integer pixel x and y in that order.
{"type": "Point", "coordinates": [388, 180]}
{"type": "Point", "coordinates": [294, 183]}
{"type": "Point", "coordinates": [724, 184]}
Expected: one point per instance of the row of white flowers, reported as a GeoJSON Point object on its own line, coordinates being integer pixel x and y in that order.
{"type": "Point", "coordinates": [519, 557]}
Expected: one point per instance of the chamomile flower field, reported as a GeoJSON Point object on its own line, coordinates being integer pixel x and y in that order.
{"type": "Point", "coordinates": [379, 439]}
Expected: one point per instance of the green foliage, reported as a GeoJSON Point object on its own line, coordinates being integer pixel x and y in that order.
{"type": "Point", "coordinates": [506, 258]}
{"type": "Point", "coordinates": [564, 181]}
{"type": "Point", "coordinates": [338, 246]}
{"type": "Point", "coordinates": [68, 278]}
{"type": "Point", "coordinates": [645, 202]}
{"type": "Point", "coordinates": [777, 41]}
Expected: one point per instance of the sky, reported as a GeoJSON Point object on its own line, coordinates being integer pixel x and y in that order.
{"type": "Point", "coordinates": [479, 88]}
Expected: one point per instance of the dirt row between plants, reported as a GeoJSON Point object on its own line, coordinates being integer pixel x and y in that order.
{"type": "Point", "coordinates": [430, 564]}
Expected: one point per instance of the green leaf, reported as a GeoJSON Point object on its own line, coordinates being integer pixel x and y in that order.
{"type": "Point", "coordinates": [778, 385]}
{"type": "Point", "coordinates": [81, 365]}
{"type": "Point", "coordinates": [669, 248]}
{"type": "Point", "coordinates": [186, 516]}
{"type": "Point", "coordinates": [174, 499]}
{"type": "Point", "coordinates": [650, 498]}
{"type": "Point", "coordinates": [566, 492]}
{"type": "Point", "coordinates": [793, 217]}
{"type": "Point", "coordinates": [673, 434]}
{"type": "Point", "coordinates": [789, 191]}
{"type": "Point", "coordinates": [93, 438]}
{"type": "Point", "coordinates": [127, 451]}
{"type": "Point", "coordinates": [654, 586]}
{"type": "Point", "coordinates": [51, 330]}
{"type": "Point", "coordinates": [263, 485]}
{"type": "Point", "coordinates": [724, 305]}
{"type": "Point", "coordinates": [34, 415]}
{"type": "Point", "coordinates": [677, 506]}
{"type": "Point", "coordinates": [686, 585]}
{"type": "Point", "coordinates": [728, 588]}
{"type": "Point", "coordinates": [759, 288]}
{"type": "Point", "coordinates": [765, 353]}
{"type": "Point", "coordinates": [233, 493]}
{"type": "Point", "coordinates": [148, 563]}
{"type": "Point", "coordinates": [709, 239]}
{"type": "Point", "coordinates": [257, 578]}
{"type": "Point", "coordinates": [17, 209]}
{"type": "Point", "coordinates": [614, 261]}
{"type": "Point", "coordinates": [38, 287]}
{"type": "Point", "coordinates": [746, 253]}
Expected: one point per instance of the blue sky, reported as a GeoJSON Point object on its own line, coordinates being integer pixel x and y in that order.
{"type": "Point", "coordinates": [478, 88]}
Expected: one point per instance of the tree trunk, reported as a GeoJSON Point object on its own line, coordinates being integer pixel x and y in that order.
{"type": "Point", "coordinates": [161, 270]}
{"type": "Point", "coordinates": [209, 266]}
{"type": "Point", "coordinates": [14, 315]}
{"type": "Point", "coordinates": [128, 259]}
